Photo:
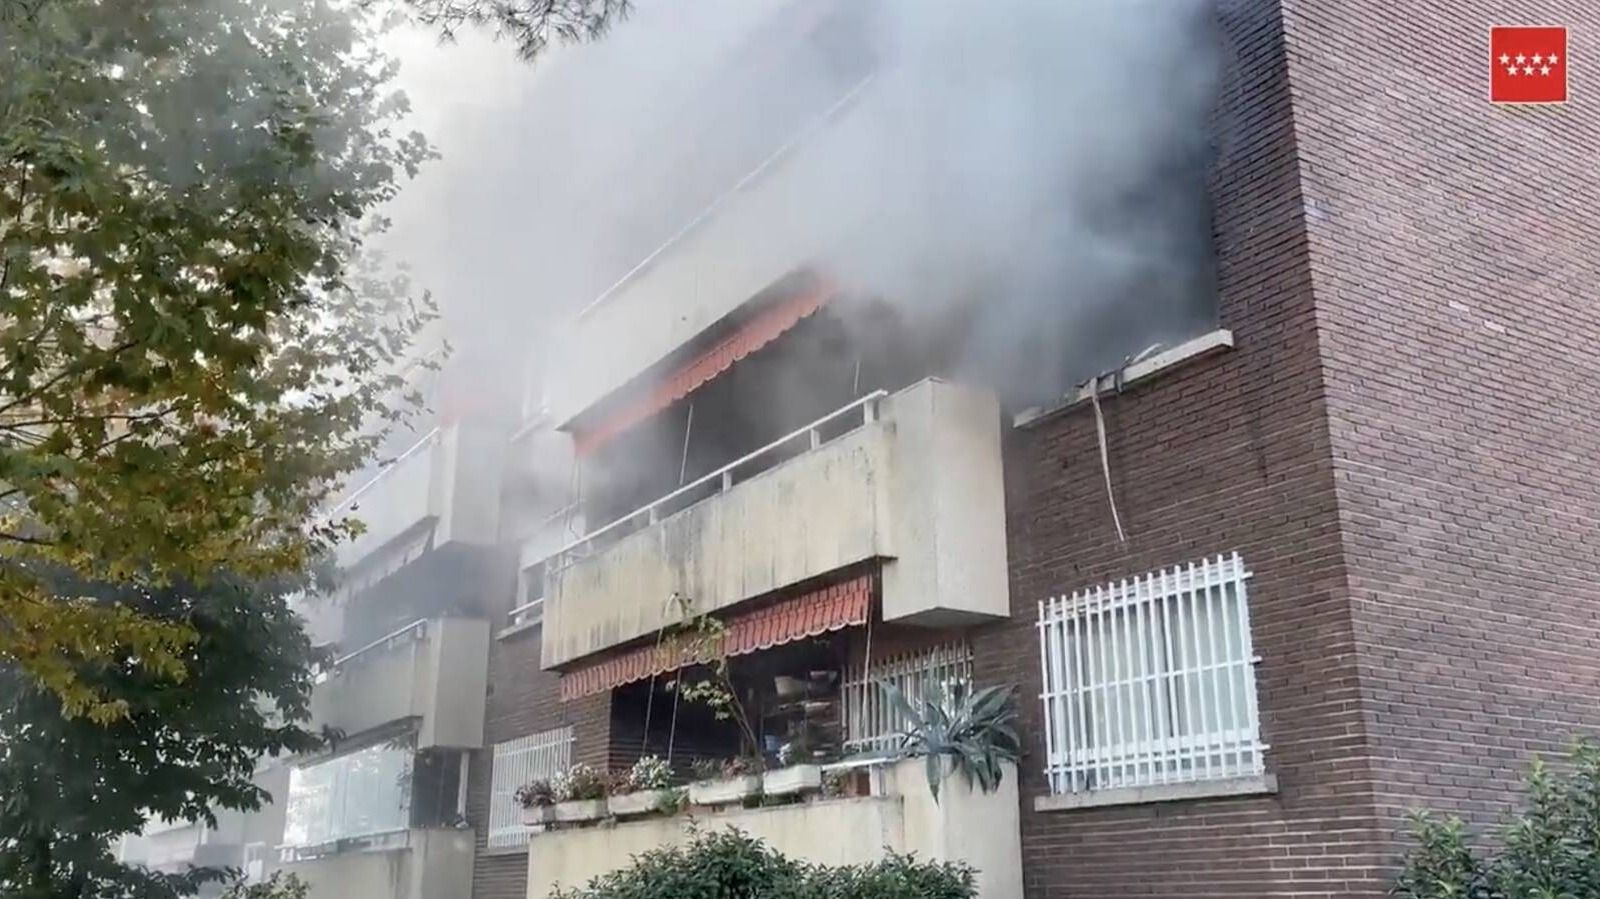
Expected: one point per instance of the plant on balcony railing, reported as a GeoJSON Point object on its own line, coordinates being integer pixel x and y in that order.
{"type": "Point", "coordinates": [725, 782]}
{"type": "Point", "coordinates": [574, 795]}
{"type": "Point", "coordinates": [972, 733]}
{"type": "Point", "coordinates": [643, 789]}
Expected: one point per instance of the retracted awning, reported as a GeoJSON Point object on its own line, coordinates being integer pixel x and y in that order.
{"type": "Point", "coordinates": [831, 608]}
{"type": "Point", "coordinates": [754, 334]}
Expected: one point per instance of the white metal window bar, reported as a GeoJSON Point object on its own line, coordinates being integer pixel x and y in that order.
{"type": "Point", "coordinates": [871, 724]}
{"type": "Point", "coordinates": [518, 762]}
{"type": "Point", "coordinates": [866, 407]}
{"type": "Point", "coordinates": [1151, 680]}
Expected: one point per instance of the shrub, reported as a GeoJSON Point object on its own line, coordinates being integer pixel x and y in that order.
{"type": "Point", "coordinates": [729, 864]}
{"type": "Point", "coordinates": [1551, 850]}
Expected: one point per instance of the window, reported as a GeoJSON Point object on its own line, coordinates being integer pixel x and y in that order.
{"type": "Point", "coordinates": [871, 724]}
{"type": "Point", "coordinates": [363, 793]}
{"type": "Point", "coordinates": [517, 762]}
{"type": "Point", "coordinates": [530, 596]}
{"type": "Point", "coordinates": [1151, 680]}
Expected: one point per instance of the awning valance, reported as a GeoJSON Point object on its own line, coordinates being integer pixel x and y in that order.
{"type": "Point", "coordinates": [831, 608]}
{"type": "Point", "coordinates": [754, 334]}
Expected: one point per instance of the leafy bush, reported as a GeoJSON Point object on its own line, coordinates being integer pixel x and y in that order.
{"type": "Point", "coordinates": [729, 864]}
{"type": "Point", "coordinates": [1551, 850]}
{"type": "Point", "coordinates": [975, 732]}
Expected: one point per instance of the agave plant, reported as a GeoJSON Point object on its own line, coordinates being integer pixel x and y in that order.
{"type": "Point", "coordinates": [974, 731]}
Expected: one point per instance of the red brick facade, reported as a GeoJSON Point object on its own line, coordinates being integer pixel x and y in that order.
{"type": "Point", "coordinates": [524, 699]}
{"type": "Point", "coordinates": [1403, 446]}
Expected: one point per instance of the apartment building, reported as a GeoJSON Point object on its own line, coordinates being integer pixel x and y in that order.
{"type": "Point", "coordinates": [1324, 554]}
{"type": "Point", "coordinates": [1322, 557]}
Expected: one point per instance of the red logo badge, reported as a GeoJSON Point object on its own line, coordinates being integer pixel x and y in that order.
{"type": "Point", "coordinates": [1528, 65]}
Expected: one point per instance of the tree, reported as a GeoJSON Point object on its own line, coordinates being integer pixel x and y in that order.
{"type": "Point", "coordinates": [190, 355]}
{"type": "Point", "coordinates": [530, 24]}
{"type": "Point", "coordinates": [70, 787]}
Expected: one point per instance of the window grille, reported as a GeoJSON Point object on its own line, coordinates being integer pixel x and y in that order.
{"type": "Point", "coordinates": [518, 762]}
{"type": "Point", "coordinates": [871, 724]}
{"type": "Point", "coordinates": [1151, 680]}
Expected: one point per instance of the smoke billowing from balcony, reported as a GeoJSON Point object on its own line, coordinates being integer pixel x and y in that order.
{"type": "Point", "coordinates": [1027, 174]}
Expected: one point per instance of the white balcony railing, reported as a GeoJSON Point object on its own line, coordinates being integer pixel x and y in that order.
{"type": "Point", "coordinates": [866, 407]}
{"type": "Point", "coordinates": [385, 471]}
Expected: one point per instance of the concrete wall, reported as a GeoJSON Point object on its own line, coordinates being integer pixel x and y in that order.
{"type": "Point", "coordinates": [816, 513]}
{"type": "Point", "coordinates": [438, 677]}
{"type": "Point", "coordinates": [455, 479]}
{"type": "Point", "coordinates": [922, 486]}
{"type": "Point", "coordinates": [434, 864]}
{"type": "Point", "coordinates": [947, 513]}
{"type": "Point", "coordinates": [964, 825]}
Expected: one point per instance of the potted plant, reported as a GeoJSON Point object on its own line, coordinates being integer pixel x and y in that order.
{"type": "Point", "coordinates": [792, 781]}
{"type": "Point", "coordinates": [975, 733]}
{"type": "Point", "coordinates": [641, 789]}
{"type": "Point", "coordinates": [726, 783]}
{"type": "Point", "coordinates": [580, 794]}
{"type": "Point", "coordinates": [538, 800]}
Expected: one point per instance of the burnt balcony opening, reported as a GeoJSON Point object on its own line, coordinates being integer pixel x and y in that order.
{"type": "Point", "coordinates": [845, 351]}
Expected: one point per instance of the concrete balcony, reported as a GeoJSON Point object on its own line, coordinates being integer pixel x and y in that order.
{"type": "Point", "coordinates": [411, 864]}
{"type": "Point", "coordinates": [978, 828]}
{"type": "Point", "coordinates": [916, 485]}
{"type": "Point", "coordinates": [449, 480]}
{"type": "Point", "coordinates": [433, 672]}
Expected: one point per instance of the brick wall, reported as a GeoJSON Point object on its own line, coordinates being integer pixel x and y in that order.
{"type": "Point", "coordinates": [1229, 453]}
{"type": "Point", "coordinates": [524, 699]}
{"type": "Point", "coordinates": [1454, 249]}
{"type": "Point", "coordinates": [1402, 446]}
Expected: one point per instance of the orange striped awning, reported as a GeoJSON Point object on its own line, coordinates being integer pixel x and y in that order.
{"type": "Point", "coordinates": [751, 336]}
{"type": "Point", "coordinates": [820, 611]}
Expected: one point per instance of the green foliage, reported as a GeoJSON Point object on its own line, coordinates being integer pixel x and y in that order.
{"type": "Point", "coordinates": [192, 353]}
{"type": "Point", "coordinates": [581, 781]}
{"type": "Point", "coordinates": [70, 787]}
{"type": "Point", "coordinates": [278, 886]}
{"type": "Point", "coordinates": [648, 773]}
{"type": "Point", "coordinates": [728, 864]}
{"type": "Point", "coordinates": [974, 732]}
{"type": "Point", "coordinates": [530, 24]}
{"type": "Point", "coordinates": [536, 794]}
{"type": "Point", "coordinates": [1550, 851]}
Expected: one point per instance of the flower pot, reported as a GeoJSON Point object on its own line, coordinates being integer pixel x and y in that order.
{"type": "Point", "coordinates": [579, 810]}
{"type": "Point", "coordinates": [538, 814]}
{"type": "Point", "coordinates": [726, 791]}
{"type": "Point", "coordinates": [641, 802]}
{"type": "Point", "coordinates": [792, 780]}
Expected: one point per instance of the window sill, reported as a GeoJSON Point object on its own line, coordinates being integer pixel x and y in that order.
{"type": "Point", "coordinates": [1259, 785]}
{"type": "Point", "coordinates": [1205, 345]}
